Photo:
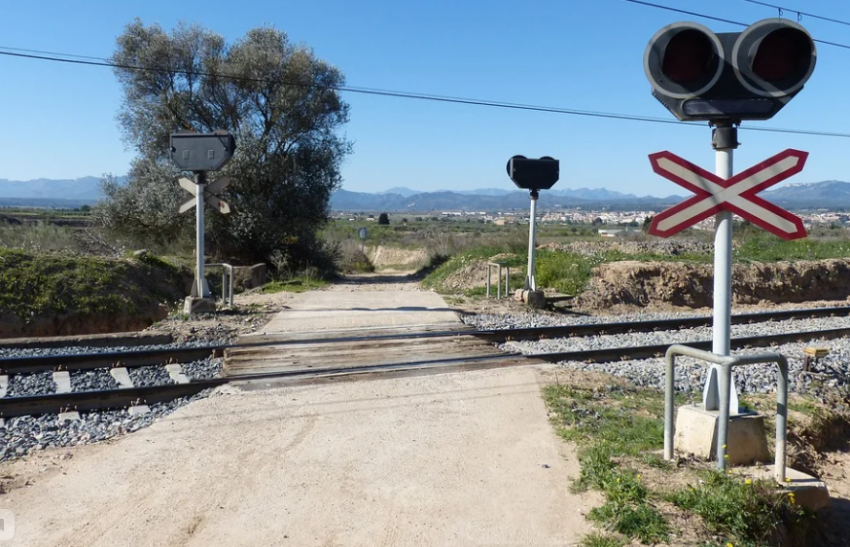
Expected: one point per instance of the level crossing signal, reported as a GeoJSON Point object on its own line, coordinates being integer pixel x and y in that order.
{"type": "Point", "coordinates": [702, 76]}
{"type": "Point", "coordinates": [534, 174]}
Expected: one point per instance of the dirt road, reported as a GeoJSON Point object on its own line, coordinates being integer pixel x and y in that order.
{"type": "Point", "coordinates": [465, 459]}
{"type": "Point", "coordinates": [452, 459]}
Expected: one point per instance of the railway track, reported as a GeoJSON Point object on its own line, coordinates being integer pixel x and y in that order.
{"type": "Point", "coordinates": [312, 374]}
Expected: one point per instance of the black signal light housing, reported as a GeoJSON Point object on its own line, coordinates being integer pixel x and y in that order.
{"type": "Point", "coordinates": [702, 76]}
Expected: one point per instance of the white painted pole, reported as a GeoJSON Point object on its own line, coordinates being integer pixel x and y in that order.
{"type": "Point", "coordinates": [722, 291]}
{"type": "Point", "coordinates": [200, 179]}
{"type": "Point", "coordinates": [530, 282]}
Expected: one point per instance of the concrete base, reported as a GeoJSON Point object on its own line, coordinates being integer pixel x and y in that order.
{"type": "Point", "coordinates": [534, 299]}
{"type": "Point", "coordinates": [696, 434]}
{"type": "Point", "coordinates": [193, 305]}
{"type": "Point", "coordinates": [808, 491]}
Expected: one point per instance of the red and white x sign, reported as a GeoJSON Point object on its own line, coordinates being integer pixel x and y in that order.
{"type": "Point", "coordinates": [737, 194]}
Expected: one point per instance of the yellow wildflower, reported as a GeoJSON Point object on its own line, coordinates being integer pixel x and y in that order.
{"type": "Point", "coordinates": [748, 481]}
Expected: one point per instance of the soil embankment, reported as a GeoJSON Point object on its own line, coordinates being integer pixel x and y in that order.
{"type": "Point", "coordinates": [386, 258]}
{"type": "Point", "coordinates": [649, 284]}
{"type": "Point", "coordinates": [55, 295]}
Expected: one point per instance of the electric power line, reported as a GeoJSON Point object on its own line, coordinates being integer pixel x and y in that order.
{"type": "Point", "coordinates": [83, 60]}
{"type": "Point", "coordinates": [720, 19]}
{"type": "Point", "coordinates": [798, 12]}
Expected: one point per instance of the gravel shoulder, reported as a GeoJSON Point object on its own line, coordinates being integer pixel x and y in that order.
{"type": "Point", "coordinates": [451, 459]}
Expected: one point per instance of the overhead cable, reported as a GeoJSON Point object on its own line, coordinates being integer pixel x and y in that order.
{"type": "Point", "coordinates": [84, 60]}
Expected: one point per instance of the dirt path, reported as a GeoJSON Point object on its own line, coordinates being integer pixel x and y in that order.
{"type": "Point", "coordinates": [453, 459]}
{"type": "Point", "coordinates": [449, 459]}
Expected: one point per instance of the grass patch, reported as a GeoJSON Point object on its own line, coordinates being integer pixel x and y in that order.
{"type": "Point", "coordinates": [296, 285]}
{"type": "Point", "coordinates": [747, 513]}
{"type": "Point", "coordinates": [603, 540]}
{"type": "Point", "coordinates": [608, 424]}
{"type": "Point", "coordinates": [759, 246]}
{"type": "Point", "coordinates": [615, 430]}
{"type": "Point", "coordinates": [37, 288]}
{"type": "Point", "coordinates": [640, 521]}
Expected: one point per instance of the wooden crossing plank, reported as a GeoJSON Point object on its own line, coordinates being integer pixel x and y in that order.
{"type": "Point", "coordinates": [336, 354]}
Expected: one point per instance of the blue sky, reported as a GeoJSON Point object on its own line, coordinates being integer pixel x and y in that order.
{"type": "Point", "coordinates": [58, 121]}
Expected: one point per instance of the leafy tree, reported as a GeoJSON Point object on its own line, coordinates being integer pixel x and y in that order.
{"type": "Point", "coordinates": [281, 104]}
{"type": "Point", "coordinates": [383, 219]}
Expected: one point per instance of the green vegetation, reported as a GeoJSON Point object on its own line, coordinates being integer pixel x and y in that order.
{"type": "Point", "coordinates": [289, 144]}
{"type": "Point", "coordinates": [40, 286]}
{"type": "Point", "coordinates": [563, 271]}
{"type": "Point", "coordinates": [603, 540]}
{"type": "Point", "coordinates": [760, 246]}
{"type": "Point", "coordinates": [749, 513]}
{"type": "Point", "coordinates": [615, 428]}
{"type": "Point", "coordinates": [296, 284]}
{"type": "Point", "coordinates": [605, 425]}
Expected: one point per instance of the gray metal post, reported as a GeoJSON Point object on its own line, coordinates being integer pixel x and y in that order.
{"type": "Point", "coordinates": [723, 422]}
{"type": "Point", "coordinates": [724, 141]}
{"type": "Point", "coordinates": [781, 419]}
{"type": "Point", "coordinates": [489, 273]}
{"type": "Point", "coordinates": [669, 404]}
{"type": "Point", "coordinates": [530, 282]}
{"type": "Point", "coordinates": [507, 281]}
{"type": "Point", "coordinates": [200, 179]}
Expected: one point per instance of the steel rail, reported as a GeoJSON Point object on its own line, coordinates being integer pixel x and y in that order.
{"type": "Point", "coordinates": [71, 362]}
{"type": "Point", "coordinates": [90, 400]}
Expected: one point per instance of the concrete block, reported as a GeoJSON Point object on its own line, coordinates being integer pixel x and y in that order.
{"type": "Point", "coordinates": [62, 379]}
{"type": "Point", "coordinates": [250, 277]}
{"type": "Point", "coordinates": [696, 434]}
{"type": "Point", "coordinates": [810, 492]}
{"type": "Point", "coordinates": [175, 371]}
{"type": "Point", "coordinates": [138, 409]}
{"type": "Point", "coordinates": [535, 299]}
{"type": "Point", "coordinates": [4, 384]}
{"type": "Point", "coordinates": [121, 376]}
{"type": "Point", "coordinates": [70, 416]}
{"type": "Point", "coordinates": [194, 305]}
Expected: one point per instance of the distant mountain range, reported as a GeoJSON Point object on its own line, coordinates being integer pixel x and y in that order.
{"type": "Point", "coordinates": [86, 189]}
{"type": "Point", "coordinates": [829, 194]}
{"type": "Point", "coordinates": [70, 193]}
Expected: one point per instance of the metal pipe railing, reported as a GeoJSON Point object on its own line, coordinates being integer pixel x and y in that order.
{"type": "Point", "coordinates": [499, 267]}
{"type": "Point", "coordinates": [227, 271]}
{"type": "Point", "coordinates": [726, 363]}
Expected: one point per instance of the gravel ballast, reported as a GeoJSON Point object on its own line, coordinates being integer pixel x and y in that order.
{"type": "Point", "coordinates": [75, 350]}
{"type": "Point", "coordinates": [24, 434]}
{"type": "Point", "coordinates": [829, 373]}
{"type": "Point", "coordinates": [38, 383]}
{"type": "Point", "coordinates": [21, 435]}
{"type": "Point", "coordinates": [92, 380]}
{"type": "Point", "coordinates": [202, 369]}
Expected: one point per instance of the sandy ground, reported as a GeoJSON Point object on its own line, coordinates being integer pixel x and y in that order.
{"type": "Point", "coordinates": [449, 459]}
{"type": "Point", "coordinates": [452, 459]}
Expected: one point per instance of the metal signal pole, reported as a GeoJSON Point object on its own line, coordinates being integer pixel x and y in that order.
{"type": "Point", "coordinates": [724, 141]}
{"type": "Point", "coordinates": [530, 282]}
{"type": "Point", "coordinates": [200, 180]}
